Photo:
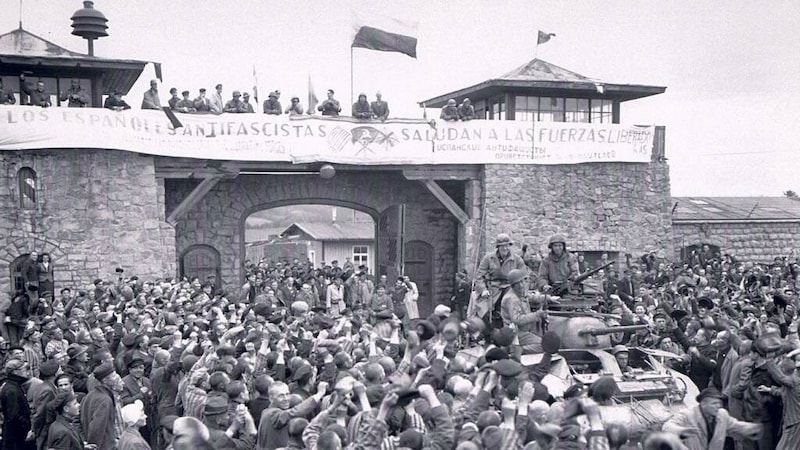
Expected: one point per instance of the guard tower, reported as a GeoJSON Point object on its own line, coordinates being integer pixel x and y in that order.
{"type": "Point", "coordinates": [547, 93]}
{"type": "Point", "coordinates": [24, 53]}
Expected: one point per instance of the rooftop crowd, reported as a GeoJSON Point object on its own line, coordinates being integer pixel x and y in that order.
{"type": "Point", "coordinates": [332, 357]}
{"type": "Point", "coordinates": [215, 103]}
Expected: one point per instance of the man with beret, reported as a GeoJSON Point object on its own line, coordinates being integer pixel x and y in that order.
{"type": "Point", "coordinates": [136, 386]}
{"type": "Point", "coordinates": [42, 394]}
{"type": "Point", "coordinates": [14, 407]}
{"type": "Point", "coordinates": [706, 425]}
{"type": "Point", "coordinates": [491, 280]}
{"type": "Point", "coordinates": [63, 433]}
{"type": "Point", "coordinates": [99, 409]}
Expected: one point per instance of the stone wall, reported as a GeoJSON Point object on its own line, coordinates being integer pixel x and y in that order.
{"type": "Point", "coordinates": [96, 210]}
{"type": "Point", "coordinates": [218, 219]}
{"type": "Point", "coordinates": [750, 241]}
{"type": "Point", "coordinates": [616, 207]}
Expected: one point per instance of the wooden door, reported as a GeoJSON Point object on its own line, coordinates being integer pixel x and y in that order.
{"type": "Point", "coordinates": [391, 227]}
{"type": "Point", "coordinates": [418, 265]}
{"type": "Point", "coordinates": [202, 261]}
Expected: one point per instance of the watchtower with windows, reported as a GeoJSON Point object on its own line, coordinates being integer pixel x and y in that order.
{"type": "Point", "coordinates": [545, 92]}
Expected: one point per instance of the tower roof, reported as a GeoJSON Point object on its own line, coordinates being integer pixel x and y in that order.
{"type": "Point", "coordinates": [23, 42]}
{"type": "Point", "coordinates": [539, 77]}
{"type": "Point", "coordinates": [21, 50]}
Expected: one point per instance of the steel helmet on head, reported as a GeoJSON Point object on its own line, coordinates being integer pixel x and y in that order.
{"type": "Point", "coordinates": [515, 276]}
{"type": "Point", "coordinates": [503, 239]}
{"type": "Point", "coordinates": [557, 238]}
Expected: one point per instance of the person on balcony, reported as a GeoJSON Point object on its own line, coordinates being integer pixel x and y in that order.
{"type": "Point", "coordinates": [78, 98]}
{"type": "Point", "coordinates": [380, 107]}
{"type": "Point", "coordinates": [272, 105]}
{"type": "Point", "coordinates": [40, 97]}
{"type": "Point", "coordinates": [362, 109]}
{"type": "Point", "coordinates": [331, 106]}
{"type": "Point", "coordinates": [295, 109]}
{"type": "Point", "coordinates": [465, 110]}
{"type": "Point", "coordinates": [6, 96]}
{"type": "Point", "coordinates": [235, 105]}
{"type": "Point", "coordinates": [151, 100]}
{"type": "Point", "coordinates": [216, 104]}
{"type": "Point", "coordinates": [202, 104]}
{"type": "Point", "coordinates": [248, 107]}
{"type": "Point", "coordinates": [173, 99]}
{"type": "Point", "coordinates": [450, 111]}
{"type": "Point", "coordinates": [185, 105]}
{"type": "Point", "coordinates": [114, 101]}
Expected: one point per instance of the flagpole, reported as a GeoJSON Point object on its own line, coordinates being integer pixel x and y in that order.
{"type": "Point", "coordinates": [352, 88]}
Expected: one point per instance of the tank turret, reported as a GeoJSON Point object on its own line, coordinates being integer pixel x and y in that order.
{"type": "Point", "coordinates": [580, 330]}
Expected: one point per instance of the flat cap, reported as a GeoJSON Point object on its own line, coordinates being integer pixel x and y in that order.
{"type": "Point", "coordinates": [507, 368]}
{"type": "Point", "coordinates": [49, 368]}
{"type": "Point", "coordinates": [216, 405]}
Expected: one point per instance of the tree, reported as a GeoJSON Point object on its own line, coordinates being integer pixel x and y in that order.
{"type": "Point", "coordinates": [790, 193]}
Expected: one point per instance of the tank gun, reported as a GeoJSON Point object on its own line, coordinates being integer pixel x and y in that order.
{"type": "Point", "coordinates": [611, 330]}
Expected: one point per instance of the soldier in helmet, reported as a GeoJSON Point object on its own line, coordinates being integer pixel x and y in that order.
{"type": "Point", "coordinates": [559, 266]}
{"type": "Point", "coordinates": [492, 275]}
{"type": "Point", "coordinates": [516, 313]}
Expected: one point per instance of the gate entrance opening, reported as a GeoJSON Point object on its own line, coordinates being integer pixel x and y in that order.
{"type": "Point", "coordinates": [314, 234]}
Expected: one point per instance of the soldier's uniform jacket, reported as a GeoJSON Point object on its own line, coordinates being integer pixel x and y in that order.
{"type": "Point", "coordinates": [492, 271]}
{"type": "Point", "coordinates": [555, 270]}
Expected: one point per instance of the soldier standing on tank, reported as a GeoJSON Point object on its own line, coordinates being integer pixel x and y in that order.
{"type": "Point", "coordinates": [517, 315]}
{"type": "Point", "coordinates": [490, 279]}
{"type": "Point", "coordinates": [559, 266]}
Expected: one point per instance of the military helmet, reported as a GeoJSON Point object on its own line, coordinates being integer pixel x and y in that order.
{"type": "Point", "coordinates": [503, 239]}
{"type": "Point", "coordinates": [515, 276]}
{"type": "Point", "coordinates": [555, 239]}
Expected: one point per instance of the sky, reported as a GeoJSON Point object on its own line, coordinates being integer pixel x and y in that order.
{"type": "Point", "coordinates": [730, 67]}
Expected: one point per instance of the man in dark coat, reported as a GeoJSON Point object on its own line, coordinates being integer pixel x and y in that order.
{"type": "Point", "coordinates": [45, 392]}
{"type": "Point", "coordinates": [98, 410]}
{"type": "Point", "coordinates": [63, 432]}
{"type": "Point", "coordinates": [14, 406]}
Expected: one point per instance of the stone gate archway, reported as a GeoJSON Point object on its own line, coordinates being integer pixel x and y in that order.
{"type": "Point", "coordinates": [218, 218]}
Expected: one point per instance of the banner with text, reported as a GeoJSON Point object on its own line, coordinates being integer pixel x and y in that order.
{"type": "Point", "coordinates": [251, 137]}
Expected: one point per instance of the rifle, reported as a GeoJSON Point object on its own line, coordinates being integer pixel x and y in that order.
{"type": "Point", "coordinates": [563, 288]}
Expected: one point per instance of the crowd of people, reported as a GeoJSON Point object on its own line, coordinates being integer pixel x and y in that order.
{"type": "Point", "coordinates": [333, 357]}
{"type": "Point", "coordinates": [77, 97]}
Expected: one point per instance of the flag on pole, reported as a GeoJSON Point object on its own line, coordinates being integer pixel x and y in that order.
{"type": "Point", "coordinates": [255, 84]}
{"type": "Point", "coordinates": [544, 37]}
{"type": "Point", "coordinates": [377, 31]}
{"type": "Point", "coordinates": [312, 97]}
